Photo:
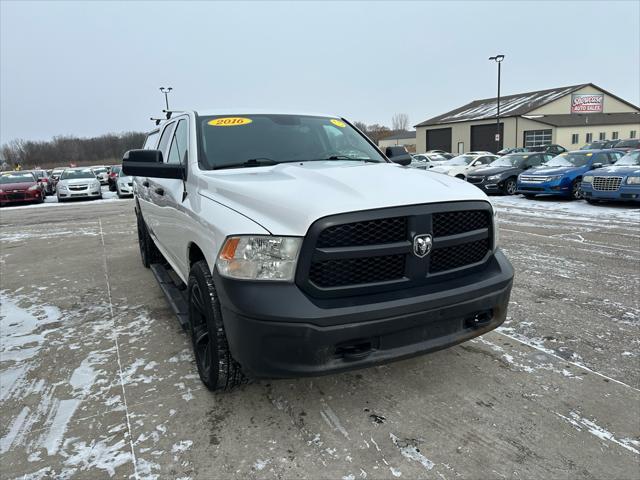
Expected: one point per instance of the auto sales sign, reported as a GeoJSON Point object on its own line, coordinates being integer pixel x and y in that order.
{"type": "Point", "coordinates": [587, 103]}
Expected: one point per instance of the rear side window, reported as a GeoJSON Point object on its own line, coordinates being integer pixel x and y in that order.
{"type": "Point", "coordinates": [151, 140]}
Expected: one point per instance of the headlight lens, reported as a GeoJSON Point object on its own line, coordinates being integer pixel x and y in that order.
{"type": "Point", "coordinates": [33, 187]}
{"type": "Point", "coordinates": [633, 180]}
{"type": "Point", "coordinates": [587, 179]}
{"type": "Point", "coordinates": [494, 177]}
{"type": "Point", "coordinates": [62, 187]}
{"type": "Point", "coordinates": [259, 258]}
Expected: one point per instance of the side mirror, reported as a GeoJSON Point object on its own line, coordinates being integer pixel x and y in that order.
{"type": "Point", "coordinates": [398, 155]}
{"type": "Point", "coordinates": [597, 165]}
{"type": "Point", "coordinates": [148, 163]}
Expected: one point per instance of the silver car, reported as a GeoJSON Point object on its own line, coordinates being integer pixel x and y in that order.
{"type": "Point", "coordinates": [78, 183]}
{"type": "Point", "coordinates": [124, 186]}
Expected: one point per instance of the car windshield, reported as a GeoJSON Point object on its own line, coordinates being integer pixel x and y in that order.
{"type": "Point", "coordinates": [631, 158]}
{"type": "Point", "coordinates": [460, 160]}
{"type": "Point", "coordinates": [83, 173]}
{"type": "Point", "coordinates": [571, 159]}
{"type": "Point", "coordinates": [24, 177]}
{"type": "Point", "coordinates": [252, 140]}
{"type": "Point", "coordinates": [99, 170]}
{"type": "Point", "coordinates": [628, 144]}
{"type": "Point", "coordinates": [509, 161]}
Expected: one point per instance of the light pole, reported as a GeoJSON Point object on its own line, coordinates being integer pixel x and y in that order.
{"type": "Point", "coordinates": [166, 91]}
{"type": "Point", "coordinates": [498, 59]}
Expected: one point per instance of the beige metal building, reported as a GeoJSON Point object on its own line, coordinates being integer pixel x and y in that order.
{"type": "Point", "coordinates": [568, 116]}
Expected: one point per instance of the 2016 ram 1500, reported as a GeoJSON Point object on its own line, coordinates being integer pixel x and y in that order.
{"type": "Point", "coordinates": [289, 245]}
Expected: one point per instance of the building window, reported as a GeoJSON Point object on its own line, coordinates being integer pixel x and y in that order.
{"type": "Point", "coordinates": [575, 138]}
{"type": "Point", "coordinates": [535, 138]}
{"type": "Point", "coordinates": [632, 134]}
{"type": "Point", "coordinates": [589, 137]}
{"type": "Point", "coordinates": [614, 136]}
{"type": "Point", "coordinates": [602, 136]}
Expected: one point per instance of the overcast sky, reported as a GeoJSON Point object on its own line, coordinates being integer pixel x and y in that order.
{"type": "Point", "coordinates": [87, 68]}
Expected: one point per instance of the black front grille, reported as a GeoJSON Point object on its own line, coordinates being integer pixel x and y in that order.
{"type": "Point", "coordinates": [366, 252]}
{"type": "Point", "coordinates": [475, 179]}
{"type": "Point", "coordinates": [458, 256]}
{"type": "Point", "coordinates": [453, 223]}
{"type": "Point", "coordinates": [355, 271]}
{"type": "Point", "coordinates": [16, 196]}
{"type": "Point", "coordinates": [372, 232]}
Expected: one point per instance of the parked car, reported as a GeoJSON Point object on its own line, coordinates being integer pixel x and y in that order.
{"type": "Point", "coordinates": [501, 176]}
{"type": "Point", "coordinates": [102, 174]}
{"type": "Point", "coordinates": [114, 173]}
{"type": "Point", "coordinates": [562, 175]}
{"type": "Point", "coordinates": [425, 161]}
{"type": "Point", "coordinates": [507, 151]}
{"type": "Point", "coordinates": [553, 149]}
{"type": "Point", "coordinates": [461, 165]}
{"type": "Point", "coordinates": [618, 182]}
{"type": "Point", "coordinates": [479, 152]}
{"type": "Point", "coordinates": [628, 144]}
{"type": "Point", "coordinates": [124, 186]}
{"type": "Point", "coordinates": [286, 267]}
{"type": "Point", "coordinates": [78, 183]}
{"type": "Point", "coordinates": [44, 181]}
{"type": "Point", "coordinates": [595, 145]}
{"type": "Point", "coordinates": [446, 155]}
{"type": "Point", "coordinates": [20, 187]}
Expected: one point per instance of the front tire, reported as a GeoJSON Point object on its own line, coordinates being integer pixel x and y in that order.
{"type": "Point", "coordinates": [216, 367]}
{"type": "Point", "coordinates": [510, 186]}
{"type": "Point", "coordinates": [149, 253]}
{"type": "Point", "coordinates": [576, 189]}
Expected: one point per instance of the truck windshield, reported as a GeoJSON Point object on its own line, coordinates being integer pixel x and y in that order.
{"type": "Point", "coordinates": [257, 140]}
{"type": "Point", "coordinates": [630, 159]}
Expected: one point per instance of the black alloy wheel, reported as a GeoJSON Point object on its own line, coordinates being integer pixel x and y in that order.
{"type": "Point", "coordinates": [576, 189]}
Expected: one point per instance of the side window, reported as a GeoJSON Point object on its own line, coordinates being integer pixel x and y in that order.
{"type": "Point", "coordinates": [178, 150]}
{"type": "Point", "coordinates": [165, 138]}
{"type": "Point", "coordinates": [615, 156]}
{"type": "Point", "coordinates": [535, 160]}
{"type": "Point", "coordinates": [601, 158]}
{"type": "Point", "coordinates": [151, 140]}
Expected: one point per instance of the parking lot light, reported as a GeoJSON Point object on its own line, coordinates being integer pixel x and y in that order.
{"type": "Point", "coordinates": [498, 59]}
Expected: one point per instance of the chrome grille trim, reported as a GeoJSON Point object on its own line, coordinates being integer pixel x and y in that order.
{"type": "Point", "coordinates": [606, 184]}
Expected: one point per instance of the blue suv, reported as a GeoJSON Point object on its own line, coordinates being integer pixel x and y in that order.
{"type": "Point", "coordinates": [616, 182]}
{"type": "Point", "coordinates": [562, 175]}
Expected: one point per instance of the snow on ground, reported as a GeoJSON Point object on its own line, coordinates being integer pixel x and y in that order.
{"type": "Point", "coordinates": [52, 201]}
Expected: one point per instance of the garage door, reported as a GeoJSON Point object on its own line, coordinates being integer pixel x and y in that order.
{"type": "Point", "coordinates": [483, 137]}
{"type": "Point", "coordinates": [439, 139]}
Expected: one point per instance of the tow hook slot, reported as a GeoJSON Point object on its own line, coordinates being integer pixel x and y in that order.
{"type": "Point", "coordinates": [354, 351]}
{"type": "Point", "coordinates": [479, 319]}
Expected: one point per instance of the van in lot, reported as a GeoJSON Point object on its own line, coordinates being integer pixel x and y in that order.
{"type": "Point", "coordinates": [290, 245]}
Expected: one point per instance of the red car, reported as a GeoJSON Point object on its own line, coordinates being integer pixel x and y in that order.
{"type": "Point", "coordinates": [18, 187]}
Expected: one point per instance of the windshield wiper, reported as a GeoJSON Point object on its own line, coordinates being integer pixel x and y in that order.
{"type": "Point", "coordinates": [252, 162]}
{"type": "Point", "coordinates": [345, 157]}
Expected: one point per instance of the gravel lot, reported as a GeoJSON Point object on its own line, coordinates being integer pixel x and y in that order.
{"type": "Point", "coordinates": [97, 378]}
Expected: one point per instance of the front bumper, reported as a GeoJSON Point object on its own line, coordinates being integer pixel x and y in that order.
{"type": "Point", "coordinates": [125, 189]}
{"type": "Point", "coordinates": [488, 186]}
{"type": "Point", "coordinates": [276, 331]}
{"type": "Point", "coordinates": [88, 193]}
{"type": "Point", "coordinates": [626, 193]}
{"type": "Point", "coordinates": [21, 197]}
{"type": "Point", "coordinates": [552, 187]}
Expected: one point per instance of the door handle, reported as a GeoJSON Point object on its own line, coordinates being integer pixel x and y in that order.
{"type": "Point", "coordinates": [160, 191]}
{"type": "Point", "coordinates": [145, 184]}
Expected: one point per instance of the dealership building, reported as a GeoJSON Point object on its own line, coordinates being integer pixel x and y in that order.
{"type": "Point", "coordinates": [568, 116]}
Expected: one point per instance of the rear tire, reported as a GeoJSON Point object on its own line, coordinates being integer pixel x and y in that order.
{"type": "Point", "coordinates": [149, 253]}
{"type": "Point", "coordinates": [216, 367]}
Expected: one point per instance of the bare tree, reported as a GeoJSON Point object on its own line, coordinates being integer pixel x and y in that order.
{"type": "Point", "coordinates": [400, 121]}
{"type": "Point", "coordinates": [361, 126]}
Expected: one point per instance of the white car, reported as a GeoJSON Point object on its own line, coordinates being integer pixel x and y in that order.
{"type": "Point", "coordinates": [78, 183]}
{"type": "Point", "coordinates": [462, 164]}
{"type": "Point", "coordinates": [425, 161]}
{"type": "Point", "coordinates": [299, 248]}
{"type": "Point", "coordinates": [124, 186]}
{"type": "Point", "coordinates": [102, 174]}
{"type": "Point", "coordinates": [479, 152]}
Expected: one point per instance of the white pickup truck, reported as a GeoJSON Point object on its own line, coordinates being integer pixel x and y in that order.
{"type": "Point", "coordinates": [289, 245]}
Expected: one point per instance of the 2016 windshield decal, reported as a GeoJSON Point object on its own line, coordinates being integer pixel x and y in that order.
{"type": "Point", "coordinates": [229, 122]}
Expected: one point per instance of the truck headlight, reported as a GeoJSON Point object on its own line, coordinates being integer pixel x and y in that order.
{"type": "Point", "coordinates": [587, 179]}
{"type": "Point", "coordinates": [633, 180]}
{"type": "Point", "coordinates": [259, 258]}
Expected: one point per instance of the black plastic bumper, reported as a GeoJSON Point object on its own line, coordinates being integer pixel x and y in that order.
{"type": "Point", "coordinates": [276, 331]}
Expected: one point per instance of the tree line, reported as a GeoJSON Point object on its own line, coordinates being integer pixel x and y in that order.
{"type": "Point", "coordinates": [64, 150]}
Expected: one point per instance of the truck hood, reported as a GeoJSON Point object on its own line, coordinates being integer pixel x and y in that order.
{"type": "Point", "coordinates": [287, 198]}
{"type": "Point", "coordinates": [613, 171]}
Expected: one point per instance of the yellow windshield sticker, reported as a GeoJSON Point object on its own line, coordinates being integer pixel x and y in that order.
{"type": "Point", "coordinates": [338, 123]}
{"type": "Point", "coordinates": [229, 121]}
